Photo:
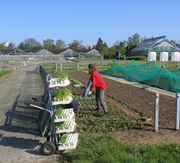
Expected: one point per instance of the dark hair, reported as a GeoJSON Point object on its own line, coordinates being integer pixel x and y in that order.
{"type": "Point", "coordinates": [91, 67]}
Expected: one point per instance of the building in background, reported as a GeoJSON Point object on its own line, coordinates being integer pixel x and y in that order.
{"type": "Point", "coordinates": [158, 45]}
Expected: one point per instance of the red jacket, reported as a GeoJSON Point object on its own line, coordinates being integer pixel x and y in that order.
{"type": "Point", "coordinates": [97, 81]}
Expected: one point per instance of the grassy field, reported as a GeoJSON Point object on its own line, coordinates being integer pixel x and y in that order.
{"type": "Point", "coordinates": [94, 148]}
{"type": "Point", "coordinates": [3, 74]}
{"type": "Point", "coordinates": [98, 142]}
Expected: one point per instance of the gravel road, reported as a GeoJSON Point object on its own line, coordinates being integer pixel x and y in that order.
{"type": "Point", "coordinates": [19, 140]}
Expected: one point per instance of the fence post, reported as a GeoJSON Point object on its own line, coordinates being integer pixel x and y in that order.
{"type": "Point", "coordinates": [78, 66]}
{"type": "Point", "coordinates": [61, 67]}
{"type": "Point", "coordinates": [177, 110]}
{"type": "Point", "coordinates": [56, 66]}
{"type": "Point", "coordinates": [156, 113]}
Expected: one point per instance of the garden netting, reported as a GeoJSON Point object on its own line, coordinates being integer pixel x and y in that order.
{"type": "Point", "coordinates": [150, 74]}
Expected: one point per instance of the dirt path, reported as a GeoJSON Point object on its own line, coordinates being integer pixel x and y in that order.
{"type": "Point", "coordinates": [18, 132]}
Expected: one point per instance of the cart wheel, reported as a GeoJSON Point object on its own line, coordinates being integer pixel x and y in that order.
{"type": "Point", "coordinates": [48, 148]}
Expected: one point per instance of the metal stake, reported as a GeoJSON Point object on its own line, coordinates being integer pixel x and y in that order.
{"type": "Point", "coordinates": [156, 113]}
{"type": "Point", "coordinates": [177, 110]}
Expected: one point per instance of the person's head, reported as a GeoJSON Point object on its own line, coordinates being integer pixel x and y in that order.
{"type": "Point", "coordinates": [91, 67]}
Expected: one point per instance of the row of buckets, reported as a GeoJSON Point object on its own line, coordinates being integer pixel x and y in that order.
{"type": "Point", "coordinates": [164, 56]}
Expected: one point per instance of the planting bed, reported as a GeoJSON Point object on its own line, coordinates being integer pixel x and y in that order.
{"type": "Point", "coordinates": [131, 113]}
{"type": "Point", "coordinates": [134, 101]}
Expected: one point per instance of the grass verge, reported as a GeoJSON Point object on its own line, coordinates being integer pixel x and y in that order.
{"type": "Point", "coordinates": [107, 149]}
{"type": "Point", "coordinates": [4, 74]}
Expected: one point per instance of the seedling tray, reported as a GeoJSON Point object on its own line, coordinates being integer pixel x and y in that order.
{"type": "Point", "coordinates": [69, 143]}
{"type": "Point", "coordinates": [67, 127]}
{"type": "Point", "coordinates": [67, 115]}
{"type": "Point", "coordinates": [55, 82]}
{"type": "Point", "coordinates": [68, 100]}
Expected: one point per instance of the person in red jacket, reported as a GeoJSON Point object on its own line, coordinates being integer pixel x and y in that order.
{"type": "Point", "coordinates": [99, 84]}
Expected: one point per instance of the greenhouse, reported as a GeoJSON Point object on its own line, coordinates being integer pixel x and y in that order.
{"type": "Point", "coordinates": [43, 52]}
{"type": "Point", "coordinates": [158, 45]}
{"type": "Point", "coordinates": [150, 74]}
{"type": "Point", "coordinates": [69, 53]}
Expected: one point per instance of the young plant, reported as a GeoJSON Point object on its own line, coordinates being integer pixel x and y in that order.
{"type": "Point", "coordinates": [76, 82]}
{"type": "Point", "coordinates": [61, 94]}
{"type": "Point", "coordinates": [63, 139]}
{"type": "Point", "coordinates": [59, 126]}
{"type": "Point", "coordinates": [63, 76]}
{"type": "Point", "coordinates": [59, 111]}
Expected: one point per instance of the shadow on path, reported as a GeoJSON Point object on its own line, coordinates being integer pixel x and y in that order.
{"type": "Point", "coordinates": [22, 118]}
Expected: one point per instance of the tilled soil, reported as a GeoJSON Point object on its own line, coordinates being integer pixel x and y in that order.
{"type": "Point", "coordinates": [139, 102]}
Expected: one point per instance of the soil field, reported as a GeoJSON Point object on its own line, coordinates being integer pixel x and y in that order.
{"type": "Point", "coordinates": [139, 103]}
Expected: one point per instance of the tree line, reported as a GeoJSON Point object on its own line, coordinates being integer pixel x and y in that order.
{"type": "Point", "coordinates": [117, 50]}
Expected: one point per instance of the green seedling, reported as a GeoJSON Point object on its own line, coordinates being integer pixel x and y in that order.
{"type": "Point", "coordinates": [61, 94]}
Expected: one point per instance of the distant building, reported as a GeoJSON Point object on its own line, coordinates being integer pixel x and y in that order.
{"type": "Point", "coordinates": [69, 53]}
{"type": "Point", "coordinates": [43, 52]}
{"type": "Point", "coordinates": [5, 44]}
{"type": "Point", "coordinates": [91, 53]}
{"type": "Point", "coordinates": [17, 51]}
{"type": "Point", "coordinates": [158, 45]}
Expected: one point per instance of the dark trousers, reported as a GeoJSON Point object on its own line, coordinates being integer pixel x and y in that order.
{"type": "Point", "coordinates": [100, 99]}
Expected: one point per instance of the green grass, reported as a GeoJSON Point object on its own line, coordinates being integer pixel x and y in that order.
{"type": "Point", "coordinates": [107, 149]}
{"type": "Point", "coordinates": [3, 74]}
{"type": "Point", "coordinates": [170, 65]}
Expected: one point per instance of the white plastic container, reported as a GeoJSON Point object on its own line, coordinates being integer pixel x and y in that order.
{"type": "Point", "coordinates": [175, 56]}
{"type": "Point", "coordinates": [164, 56]}
{"type": "Point", "coordinates": [55, 82]}
{"type": "Point", "coordinates": [70, 143]}
{"type": "Point", "coordinates": [67, 115]}
{"type": "Point", "coordinates": [152, 56]}
{"type": "Point", "coordinates": [68, 100]}
{"type": "Point", "coordinates": [67, 127]}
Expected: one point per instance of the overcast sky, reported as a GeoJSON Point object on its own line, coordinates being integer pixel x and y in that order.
{"type": "Point", "coordinates": [87, 20]}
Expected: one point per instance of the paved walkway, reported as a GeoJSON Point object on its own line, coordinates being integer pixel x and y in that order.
{"type": "Point", "coordinates": [19, 140]}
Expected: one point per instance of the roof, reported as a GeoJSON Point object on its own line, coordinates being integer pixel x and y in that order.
{"type": "Point", "coordinates": [93, 51]}
{"type": "Point", "coordinates": [69, 53]}
{"type": "Point", "coordinates": [17, 52]}
{"type": "Point", "coordinates": [177, 48]}
{"type": "Point", "coordinates": [150, 43]}
{"type": "Point", "coordinates": [43, 52]}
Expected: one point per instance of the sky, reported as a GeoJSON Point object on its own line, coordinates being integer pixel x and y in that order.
{"type": "Point", "coordinates": [87, 20]}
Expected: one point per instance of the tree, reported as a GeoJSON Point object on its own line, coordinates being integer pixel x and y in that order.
{"type": "Point", "coordinates": [10, 46]}
{"type": "Point", "coordinates": [133, 42]}
{"type": "Point", "coordinates": [30, 45]}
{"type": "Point", "coordinates": [48, 44]}
{"type": "Point", "coordinates": [77, 46]}
{"type": "Point", "coordinates": [109, 53]}
{"type": "Point", "coordinates": [100, 46]}
{"type": "Point", "coordinates": [122, 48]}
{"type": "Point", "coordinates": [135, 39]}
{"type": "Point", "coordinates": [31, 42]}
{"type": "Point", "coordinates": [60, 44]}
